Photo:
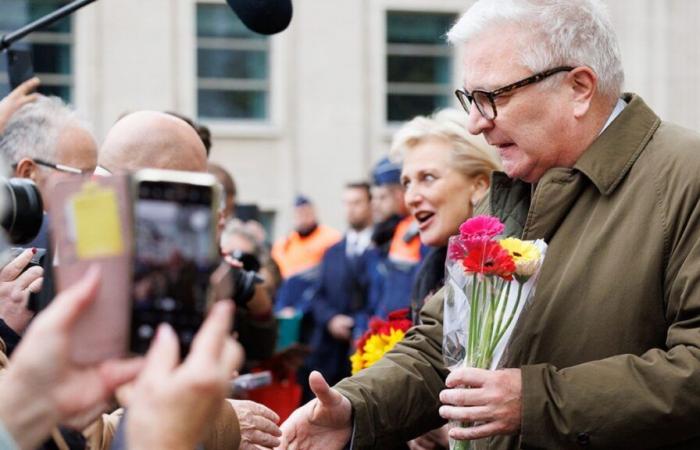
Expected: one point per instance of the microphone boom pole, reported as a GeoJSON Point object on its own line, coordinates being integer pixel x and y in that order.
{"type": "Point", "coordinates": [8, 39]}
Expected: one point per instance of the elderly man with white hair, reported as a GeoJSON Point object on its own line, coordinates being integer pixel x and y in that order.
{"type": "Point", "coordinates": [607, 354]}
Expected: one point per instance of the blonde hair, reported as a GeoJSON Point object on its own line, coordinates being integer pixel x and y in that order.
{"type": "Point", "coordinates": [471, 155]}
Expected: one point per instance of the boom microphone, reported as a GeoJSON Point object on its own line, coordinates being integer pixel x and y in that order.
{"type": "Point", "coordinates": [263, 16]}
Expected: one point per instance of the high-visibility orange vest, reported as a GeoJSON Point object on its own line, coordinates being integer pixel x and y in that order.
{"type": "Point", "coordinates": [405, 245]}
{"type": "Point", "coordinates": [295, 254]}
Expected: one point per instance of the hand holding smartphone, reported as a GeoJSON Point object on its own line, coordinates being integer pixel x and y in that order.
{"type": "Point", "coordinates": [175, 253]}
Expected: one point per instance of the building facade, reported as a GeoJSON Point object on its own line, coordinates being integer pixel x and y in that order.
{"type": "Point", "coordinates": [312, 108]}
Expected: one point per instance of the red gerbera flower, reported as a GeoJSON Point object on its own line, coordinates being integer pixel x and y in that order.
{"type": "Point", "coordinates": [490, 258]}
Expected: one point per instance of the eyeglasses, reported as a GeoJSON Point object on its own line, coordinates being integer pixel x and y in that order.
{"type": "Point", "coordinates": [59, 167]}
{"type": "Point", "coordinates": [485, 101]}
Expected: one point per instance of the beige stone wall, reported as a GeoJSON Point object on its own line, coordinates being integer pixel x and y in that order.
{"type": "Point", "coordinates": [328, 91]}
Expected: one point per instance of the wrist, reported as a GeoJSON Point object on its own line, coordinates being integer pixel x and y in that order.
{"type": "Point", "coordinates": [27, 417]}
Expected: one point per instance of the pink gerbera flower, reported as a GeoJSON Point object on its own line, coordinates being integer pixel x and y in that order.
{"type": "Point", "coordinates": [481, 228]}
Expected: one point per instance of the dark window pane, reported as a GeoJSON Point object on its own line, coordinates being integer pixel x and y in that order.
{"type": "Point", "coordinates": [419, 69]}
{"type": "Point", "coordinates": [232, 104]}
{"type": "Point", "coordinates": [406, 107]}
{"type": "Point", "coordinates": [52, 58]}
{"type": "Point", "coordinates": [220, 21]}
{"type": "Point", "coordinates": [231, 64]}
{"type": "Point", "coordinates": [17, 13]}
{"type": "Point", "coordinates": [417, 28]}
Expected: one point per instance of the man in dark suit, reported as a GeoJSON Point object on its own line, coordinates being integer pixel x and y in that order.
{"type": "Point", "coordinates": [341, 292]}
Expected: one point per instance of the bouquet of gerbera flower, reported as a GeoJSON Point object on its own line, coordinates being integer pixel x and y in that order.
{"type": "Point", "coordinates": [381, 337]}
{"type": "Point", "coordinates": [489, 281]}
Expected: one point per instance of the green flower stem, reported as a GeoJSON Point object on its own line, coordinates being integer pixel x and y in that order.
{"type": "Point", "coordinates": [470, 346]}
{"type": "Point", "coordinates": [503, 305]}
{"type": "Point", "coordinates": [502, 332]}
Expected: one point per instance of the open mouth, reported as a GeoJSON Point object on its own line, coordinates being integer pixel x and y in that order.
{"type": "Point", "coordinates": [424, 218]}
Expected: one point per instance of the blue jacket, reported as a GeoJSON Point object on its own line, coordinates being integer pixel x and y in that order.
{"type": "Point", "coordinates": [341, 289]}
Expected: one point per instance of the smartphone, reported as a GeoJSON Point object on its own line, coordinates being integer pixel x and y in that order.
{"type": "Point", "coordinates": [90, 224]}
{"type": "Point", "coordinates": [175, 253]}
{"type": "Point", "coordinates": [19, 65]}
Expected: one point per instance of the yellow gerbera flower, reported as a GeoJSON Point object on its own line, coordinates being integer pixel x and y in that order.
{"type": "Point", "coordinates": [525, 254]}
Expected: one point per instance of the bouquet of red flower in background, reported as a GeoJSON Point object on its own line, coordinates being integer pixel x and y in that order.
{"type": "Point", "coordinates": [489, 281]}
{"type": "Point", "coordinates": [381, 337]}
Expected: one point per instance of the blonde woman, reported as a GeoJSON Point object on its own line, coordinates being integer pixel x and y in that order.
{"type": "Point", "coordinates": [446, 172]}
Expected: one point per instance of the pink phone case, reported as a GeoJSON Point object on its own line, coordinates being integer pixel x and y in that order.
{"type": "Point", "coordinates": [102, 332]}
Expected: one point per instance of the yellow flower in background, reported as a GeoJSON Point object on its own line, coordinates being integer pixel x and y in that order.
{"type": "Point", "coordinates": [394, 338]}
{"type": "Point", "coordinates": [356, 361]}
{"type": "Point", "coordinates": [382, 336]}
{"type": "Point", "coordinates": [525, 254]}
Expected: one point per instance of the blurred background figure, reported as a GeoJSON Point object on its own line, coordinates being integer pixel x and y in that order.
{"type": "Point", "coordinates": [446, 173]}
{"type": "Point", "coordinates": [298, 256]}
{"type": "Point", "coordinates": [396, 250]}
{"type": "Point", "coordinates": [256, 333]}
{"type": "Point", "coordinates": [340, 297]}
{"type": "Point", "coordinates": [229, 187]}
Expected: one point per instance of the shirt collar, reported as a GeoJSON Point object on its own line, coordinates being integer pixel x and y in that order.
{"type": "Point", "coordinates": [613, 153]}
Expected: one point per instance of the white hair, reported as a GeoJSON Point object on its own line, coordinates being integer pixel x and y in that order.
{"type": "Point", "coordinates": [562, 33]}
{"type": "Point", "coordinates": [33, 131]}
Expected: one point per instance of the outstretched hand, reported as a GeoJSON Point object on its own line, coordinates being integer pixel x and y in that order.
{"type": "Point", "coordinates": [324, 423]}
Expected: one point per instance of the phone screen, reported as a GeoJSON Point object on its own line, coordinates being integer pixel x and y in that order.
{"type": "Point", "coordinates": [175, 254]}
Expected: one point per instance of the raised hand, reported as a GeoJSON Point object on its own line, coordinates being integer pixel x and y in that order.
{"type": "Point", "coordinates": [20, 96]}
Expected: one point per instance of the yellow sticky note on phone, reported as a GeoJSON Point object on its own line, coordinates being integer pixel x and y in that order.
{"type": "Point", "coordinates": [96, 223]}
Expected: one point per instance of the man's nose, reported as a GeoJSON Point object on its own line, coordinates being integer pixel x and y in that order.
{"type": "Point", "coordinates": [476, 122]}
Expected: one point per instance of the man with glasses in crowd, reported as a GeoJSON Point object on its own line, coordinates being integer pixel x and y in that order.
{"type": "Point", "coordinates": [606, 355]}
{"type": "Point", "coordinates": [46, 139]}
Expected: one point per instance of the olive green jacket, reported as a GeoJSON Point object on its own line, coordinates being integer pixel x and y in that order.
{"type": "Point", "coordinates": [610, 346]}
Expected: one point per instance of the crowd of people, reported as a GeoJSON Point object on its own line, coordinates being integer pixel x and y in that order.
{"type": "Point", "coordinates": [604, 356]}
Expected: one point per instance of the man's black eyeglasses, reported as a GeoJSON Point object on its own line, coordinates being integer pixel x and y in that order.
{"type": "Point", "coordinates": [59, 167]}
{"type": "Point", "coordinates": [485, 101]}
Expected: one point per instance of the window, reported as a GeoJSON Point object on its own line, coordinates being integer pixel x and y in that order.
{"type": "Point", "coordinates": [52, 47]}
{"type": "Point", "coordinates": [232, 67]}
{"type": "Point", "coordinates": [418, 64]}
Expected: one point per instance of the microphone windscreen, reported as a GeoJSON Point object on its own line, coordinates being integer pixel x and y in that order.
{"type": "Point", "coordinates": [263, 16]}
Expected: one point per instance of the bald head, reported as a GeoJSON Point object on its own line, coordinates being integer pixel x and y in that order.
{"type": "Point", "coordinates": [150, 139]}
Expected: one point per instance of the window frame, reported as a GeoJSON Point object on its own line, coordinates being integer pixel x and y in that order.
{"type": "Point", "coordinates": [378, 9]}
{"type": "Point", "coordinates": [54, 38]}
{"type": "Point", "coordinates": [271, 126]}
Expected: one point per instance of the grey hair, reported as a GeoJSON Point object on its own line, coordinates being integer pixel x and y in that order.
{"type": "Point", "coordinates": [563, 33]}
{"type": "Point", "coordinates": [235, 227]}
{"type": "Point", "coordinates": [33, 131]}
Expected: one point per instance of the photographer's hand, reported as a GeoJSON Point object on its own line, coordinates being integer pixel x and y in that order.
{"type": "Point", "coordinates": [171, 405]}
{"type": "Point", "coordinates": [15, 288]}
{"type": "Point", "coordinates": [42, 386]}
{"type": "Point", "coordinates": [20, 96]}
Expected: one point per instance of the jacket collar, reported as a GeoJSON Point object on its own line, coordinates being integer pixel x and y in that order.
{"type": "Point", "coordinates": [614, 152]}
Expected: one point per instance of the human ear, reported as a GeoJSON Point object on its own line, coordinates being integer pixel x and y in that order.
{"type": "Point", "coordinates": [584, 85]}
{"type": "Point", "coordinates": [26, 168]}
{"type": "Point", "coordinates": [480, 187]}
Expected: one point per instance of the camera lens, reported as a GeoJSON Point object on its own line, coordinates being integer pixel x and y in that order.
{"type": "Point", "coordinates": [24, 211]}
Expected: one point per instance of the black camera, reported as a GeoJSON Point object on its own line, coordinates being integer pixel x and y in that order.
{"type": "Point", "coordinates": [243, 285]}
{"type": "Point", "coordinates": [23, 213]}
